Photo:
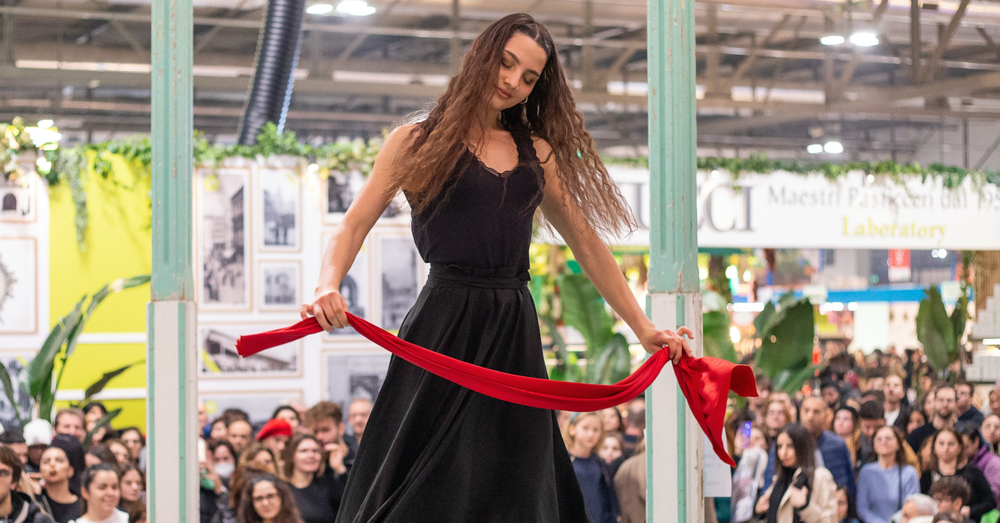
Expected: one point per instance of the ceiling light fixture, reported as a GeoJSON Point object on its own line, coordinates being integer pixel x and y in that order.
{"type": "Point", "coordinates": [319, 9]}
{"type": "Point", "coordinates": [355, 8]}
{"type": "Point", "coordinates": [833, 147]}
{"type": "Point", "coordinates": [814, 148]}
{"type": "Point", "coordinates": [864, 39]}
{"type": "Point", "coordinates": [832, 40]}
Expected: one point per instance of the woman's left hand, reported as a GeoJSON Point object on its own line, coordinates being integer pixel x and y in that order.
{"type": "Point", "coordinates": [657, 340]}
{"type": "Point", "coordinates": [798, 497]}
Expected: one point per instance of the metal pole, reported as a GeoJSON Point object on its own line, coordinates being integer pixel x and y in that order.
{"type": "Point", "coordinates": [171, 316]}
{"type": "Point", "coordinates": [674, 441]}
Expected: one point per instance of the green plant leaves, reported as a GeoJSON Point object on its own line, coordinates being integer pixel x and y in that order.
{"type": "Point", "coordinates": [936, 330]}
{"type": "Point", "coordinates": [583, 309]}
{"type": "Point", "coordinates": [715, 336]}
{"type": "Point", "coordinates": [102, 422]}
{"type": "Point", "coordinates": [787, 336]}
{"type": "Point", "coordinates": [99, 385]}
{"type": "Point", "coordinates": [8, 390]}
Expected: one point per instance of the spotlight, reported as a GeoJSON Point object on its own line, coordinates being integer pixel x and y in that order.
{"type": "Point", "coordinates": [45, 124]}
{"type": "Point", "coordinates": [833, 147]}
{"type": "Point", "coordinates": [831, 40]}
{"type": "Point", "coordinates": [319, 9]}
{"type": "Point", "coordinates": [864, 39]}
{"type": "Point", "coordinates": [815, 148]}
{"type": "Point", "coordinates": [355, 8]}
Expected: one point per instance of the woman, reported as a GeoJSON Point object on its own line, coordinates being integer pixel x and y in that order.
{"type": "Point", "coordinates": [316, 487]}
{"type": "Point", "coordinates": [776, 416]}
{"type": "Point", "coordinates": [504, 140]}
{"type": "Point", "coordinates": [801, 491]}
{"type": "Point", "coordinates": [916, 420]}
{"type": "Point", "coordinates": [92, 413]}
{"type": "Point", "coordinates": [121, 452]}
{"type": "Point", "coordinates": [947, 460]}
{"type": "Point", "coordinates": [289, 414]}
{"type": "Point", "coordinates": [612, 420]}
{"type": "Point", "coordinates": [977, 452]}
{"type": "Point", "coordinates": [101, 494]}
{"type": "Point", "coordinates": [583, 435]}
{"type": "Point", "coordinates": [884, 484]}
{"type": "Point", "coordinates": [256, 459]}
{"type": "Point", "coordinates": [133, 439]}
{"type": "Point", "coordinates": [62, 465]}
{"type": "Point", "coordinates": [845, 426]}
{"type": "Point", "coordinates": [991, 432]}
{"type": "Point", "coordinates": [846, 512]}
{"type": "Point", "coordinates": [223, 459]}
{"type": "Point", "coordinates": [133, 488]}
{"type": "Point", "coordinates": [926, 403]}
{"type": "Point", "coordinates": [267, 499]}
{"type": "Point", "coordinates": [100, 454]}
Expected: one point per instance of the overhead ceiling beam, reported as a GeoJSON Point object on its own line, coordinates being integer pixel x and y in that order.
{"type": "Point", "coordinates": [928, 69]}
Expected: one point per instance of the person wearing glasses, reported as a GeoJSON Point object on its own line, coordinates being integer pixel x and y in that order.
{"type": "Point", "coordinates": [267, 499]}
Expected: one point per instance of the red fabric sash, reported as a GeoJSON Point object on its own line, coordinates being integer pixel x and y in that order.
{"type": "Point", "coordinates": [705, 382]}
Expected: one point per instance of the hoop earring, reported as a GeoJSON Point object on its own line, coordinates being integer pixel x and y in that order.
{"type": "Point", "coordinates": [523, 102]}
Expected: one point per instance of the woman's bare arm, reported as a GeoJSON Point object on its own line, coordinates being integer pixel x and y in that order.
{"type": "Point", "coordinates": [370, 202]}
{"type": "Point", "coordinates": [598, 263]}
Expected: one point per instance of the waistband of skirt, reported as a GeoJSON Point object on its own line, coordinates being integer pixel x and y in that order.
{"type": "Point", "coordinates": [499, 278]}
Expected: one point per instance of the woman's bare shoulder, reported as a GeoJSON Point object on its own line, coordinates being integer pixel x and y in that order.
{"type": "Point", "coordinates": [400, 136]}
{"type": "Point", "coordinates": [542, 148]}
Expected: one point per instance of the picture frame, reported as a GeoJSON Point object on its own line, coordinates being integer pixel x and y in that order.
{"type": "Point", "coordinates": [19, 199]}
{"type": "Point", "coordinates": [339, 190]}
{"type": "Point", "coordinates": [258, 404]}
{"type": "Point", "coordinates": [279, 284]}
{"type": "Point", "coordinates": [218, 357]}
{"type": "Point", "coordinates": [356, 288]}
{"type": "Point", "coordinates": [280, 220]}
{"type": "Point", "coordinates": [401, 274]}
{"type": "Point", "coordinates": [222, 239]}
{"type": "Point", "coordinates": [354, 372]}
{"type": "Point", "coordinates": [18, 285]}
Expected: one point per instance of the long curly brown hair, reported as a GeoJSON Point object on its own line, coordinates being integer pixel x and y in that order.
{"type": "Point", "coordinates": [438, 147]}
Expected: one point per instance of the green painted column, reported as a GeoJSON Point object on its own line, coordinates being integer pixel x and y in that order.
{"type": "Point", "coordinates": [674, 441]}
{"type": "Point", "coordinates": [171, 316]}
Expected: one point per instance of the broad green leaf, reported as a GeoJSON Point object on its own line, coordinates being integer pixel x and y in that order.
{"type": "Point", "coordinates": [715, 336]}
{"type": "Point", "coordinates": [791, 382]}
{"type": "Point", "coordinates": [583, 309]}
{"type": "Point", "coordinates": [612, 364]}
{"type": "Point", "coordinates": [959, 316]}
{"type": "Point", "coordinates": [40, 368]}
{"type": "Point", "coordinates": [8, 390]}
{"type": "Point", "coordinates": [935, 330]}
{"type": "Point", "coordinates": [763, 319]}
{"type": "Point", "coordinates": [789, 343]}
{"type": "Point", "coordinates": [99, 385]}
{"type": "Point", "coordinates": [46, 398]}
{"type": "Point", "coordinates": [104, 420]}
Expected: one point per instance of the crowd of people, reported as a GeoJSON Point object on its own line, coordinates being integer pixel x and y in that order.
{"type": "Point", "coordinates": [874, 439]}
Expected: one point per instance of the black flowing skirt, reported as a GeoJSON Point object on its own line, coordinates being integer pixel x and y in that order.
{"type": "Point", "coordinates": [436, 452]}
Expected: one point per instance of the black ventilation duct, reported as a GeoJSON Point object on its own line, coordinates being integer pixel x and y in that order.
{"type": "Point", "coordinates": [277, 57]}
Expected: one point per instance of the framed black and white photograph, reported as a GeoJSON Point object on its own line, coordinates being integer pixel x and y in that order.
{"type": "Point", "coordinates": [280, 282]}
{"type": "Point", "coordinates": [281, 200]}
{"type": "Point", "coordinates": [259, 405]}
{"type": "Point", "coordinates": [352, 375]}
{"type": "Point", "coordinates": [18, 286]}
{"type": "Point", "coordinates": [16, 364]}
{"type": "Point", "coordinates": [223, 228]}
{"type": "Point", "coordinates": [219, 358]}
{"type": "Point", "coordinates": [341, 188]}
{"type": "Point", "coordinates": [18, 200]}
{"type": "Point", "coordinates": [400, 274]}
{"type": "Point", "coordinates": [356, 290]}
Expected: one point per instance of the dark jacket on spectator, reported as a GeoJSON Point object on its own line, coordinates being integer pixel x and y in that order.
{"type": "Point", "coordinates": [22, 510]}
{"type": "Point", "coordinates": [980, 502]}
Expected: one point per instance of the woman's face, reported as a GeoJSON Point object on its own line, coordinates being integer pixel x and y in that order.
{"type": "Point", "coordinates": [264, 461]}
{"type": "Point", "coordinates": [917, 420]}
{"type": "Point", "coordinates": [266, 500]}
{"type": "Point", "coordinates": [121, 452]}
{"type": "Point", "coordinates": [928, 406]}
{"type": "Point", "coordinates": [131, 486]}
{"type": "Point", "coordinates": [90, 460]}
{"type": "Point", "coordinates": [92, 415]}
{"type": "Point", "coordinates": [611, 423]}
{"type": "Point", "coordinates": [843, 423]}
{"type": "Point", "coordinates": [947, 448]}
{"type": "Point", "coordinates": [587, 432]}
{"type": "Point", "coordinates": [133, 441]}
{"type": "Point", "coordinates": [991, 429]}
{"type": "Point", "coordinates": [521, 63]}
{"type": "Point", "coordinates": [610, 449]}
{"type": "Point", "coordinates": [288, 416]}
{"type": "Point", "coordinates": [757, 439]}
{"type": "Point", "coordinates": [103, 494]}
{"type": "Point", "coordinates": [55, 466]}
{"type": "Point", "coordinates": [841, 505]}
{"type": "Point", "coordinates": [786, 451]}
{"type": "Point", "coordinates": [885, 442]}
{"type": "Point", "coordinates": [222, 455]}
{"type": "Point", "coordinates": [307, 456]}
{"type": "Point", "coordinates": [219, 431]}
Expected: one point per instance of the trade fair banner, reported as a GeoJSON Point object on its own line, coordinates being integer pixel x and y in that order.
{"type": "Point", "coordinates": [856, 211]}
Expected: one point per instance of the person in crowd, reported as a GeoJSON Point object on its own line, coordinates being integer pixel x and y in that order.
{"type": "Point", "coordinates": [358, 413]}
{"type": "Point", "coordinates": [830, 391]}
{"type": "Point", "coordinates": [944, 416]}
{"type": "Point", "coordinates": [947, 460]}
{"type": "Point", "coordinates": [240, 434]}
{"type": "Point", "coordinates": [202, 416]}
{"type": "Point", "coordinates": [885, 484]}
{"type": "Point", "coordinates": [801, 490]}
{"type": "Point", "coordinates": [256, 459]}
{"type": "Point", "coordinates": [756, 405]}
{"type": "Point", "coordinates": [949, 517]}
{"type": "Point", "coordinates": [16, 507]}
{"type": "Point", "coordinates": [317, 484]}
{"type": "Point", "coordinates": [952, 495]}
{"type": "Point", "coordinates": [872, 418]}
{"type": "Point", "coordinates": [925, 403]}
{"type": "Point", "coordinates": [834, 453]}
{"type": "Point", "coordinates": [875, 381]}
{"type": "Point", "coordinates": [846, 426]}
{"type": "Point", "coordinates": [218, 429]}
{"type": "Point", "coordinates": [62, 466]}
{"type": "Point", "coordinates": [990, 432]}
{"type": "Point", "coordinates": [776, 416]}
{"type": "Point", "coordinates": [71, 421]}
{"type": "Point", "coordinates": [915, 421]}
{"type": "Point", "coordinates": [611, 448]}
{"type": "Point", "coordinates": [133, 487]}
{"type": "Point", "coordinates": [994, 400]}
{"type": "Point", "coordinates": [787, 400]}
{"type": "Point", "coordinates": [275, 435]}
{"type": "Point", "coordinates": [967, 412]}
{"type": "Point", "coordinates": [92, 413]}
{"type": "Point", "coordinates": [846, 511]}
{"type": "Point", "coordinates": [326, 421]}
{"type": "Point", "coordinates": [14, 440]}
{"type": "Point", "coordinates": [630, 487]}
{"type": "Point", "coordinates": [133, 438]}
{"type": "Point", "coordinates": [267, 499]}
{"type": "Point", "coordinates": [101, 491]}
{"type": "Point", "coordinates": [260, 457]}
{"type": "Point", "coordinates": [612, 420]}
{"type": "Point", "coordinates": [121, 452]}
{"type": "Point", "coordinates": [977, 452]}
{"type": "Point", "coordinates": [918, 506]}
{"type": "Point", "coordinates": [289, 414]}
{"type": "Point", "coordinates": [223, 457]}
{"type": "Point", "coordinates": [635, 424]}
{"type": "Point", "coordinates": [213, 487]}
{"type": "Point", "coordinates": [897, 413]}
{"type": "Point", "coordinates": [38, 436]}
{"type": "Point", "coordinates": [100, 454]}
{"type": "Point", "coordinates": [138, 515]}
{"type": "Point", "coordinates": [583, 436]}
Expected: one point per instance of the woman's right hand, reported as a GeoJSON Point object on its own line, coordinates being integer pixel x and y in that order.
{"type": "Point", "coordinates": [329, 309]}
{"type": "Point", "coordinates": [763, 503]}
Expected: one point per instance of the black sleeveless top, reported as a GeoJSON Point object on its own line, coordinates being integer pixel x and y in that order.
{"type": "Point", "coordinates": [482, 219]}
